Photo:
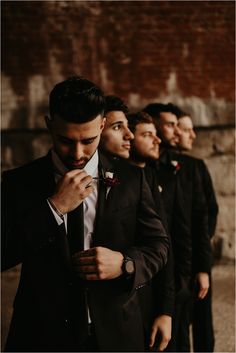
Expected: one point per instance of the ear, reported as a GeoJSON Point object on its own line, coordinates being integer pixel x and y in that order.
{"type": "Point", "coordinates": [103, 123]}
{"type": "Point", "coordinates": [48, 122]}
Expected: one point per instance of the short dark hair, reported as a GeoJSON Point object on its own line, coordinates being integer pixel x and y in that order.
{"type": "Point", "coordinates": [155, 109]}
{"type": "Point", "coordinates": [114, 103]}
{"type": "Point", "coordinates": [76, 100]}
{"type": "Point", "coordinates": [139, 118]}
{"type": "Point", "coordinates": [180, 113]}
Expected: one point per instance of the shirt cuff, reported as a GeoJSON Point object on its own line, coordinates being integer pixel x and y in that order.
{"type": "Point", "coordinates": [57, 217]}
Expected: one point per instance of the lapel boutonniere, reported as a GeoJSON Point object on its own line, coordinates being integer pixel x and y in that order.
{"type": "Point", "coordinates": [176, 166]}
{"type": "Point", "coordinates": [109, 179]}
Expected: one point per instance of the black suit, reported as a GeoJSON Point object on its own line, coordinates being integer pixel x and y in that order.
{"type": "Point", "coordinates": [163, 282]}
{"type": "Point", "coordinates": [202, 321]}
{"type": "Point", "coordinates": [50, 308]}
{"type": "Point", "coordinates": [186, 210]}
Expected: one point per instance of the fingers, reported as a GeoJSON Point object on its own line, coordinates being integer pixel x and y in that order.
{"type": "Point", "coordinates": [202, 293]}
{"type": "Point", "coordinates": [152, 337]}
{"type": "Point", "coordinates": [98, 263]}
{"type": "Point", "coordinates": [86, 265]}
{"type": "Point", "coordinates": [163, 344]}
{"type": "Point", "coordinates": [71, 190]}
{"type": "Point", "coordinates": [78, 177]}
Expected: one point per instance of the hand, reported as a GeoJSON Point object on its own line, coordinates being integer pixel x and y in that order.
{"type": "Point", "coordinates": [161, 325]}
{"type": "Point", "coordinates": [71, 190]}
{"type": "Point", "coordinates": [98, 264]}
{"type": "Point", "coordinates": [202, 279]}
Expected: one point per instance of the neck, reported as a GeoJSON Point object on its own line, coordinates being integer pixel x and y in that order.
{"type": "Point", "coordinates": [140, 164]}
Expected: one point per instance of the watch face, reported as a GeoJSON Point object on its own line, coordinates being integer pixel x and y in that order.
{"type": "Point", "coordinates": [129, 266]}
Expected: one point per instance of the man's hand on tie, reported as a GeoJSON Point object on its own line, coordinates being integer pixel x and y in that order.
{"type": "Point", "coordinates": [71, 190]}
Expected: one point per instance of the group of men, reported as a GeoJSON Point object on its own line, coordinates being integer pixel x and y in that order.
{"type": "Point", "coordinates": [113, 230]}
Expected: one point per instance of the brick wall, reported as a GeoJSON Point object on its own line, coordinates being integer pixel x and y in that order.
{"type": "Point", "coordinates": [181, 51]}
{"type": "Point", "coordinates": [143, 51]}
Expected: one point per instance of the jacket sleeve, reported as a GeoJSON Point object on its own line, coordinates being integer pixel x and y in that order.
{"type": "Point", "coordinates": [200, 233]}
{"type": "Point", "coordinates": [209, 191]}
{"type": "Point", "coordinates": [163, 282]}
{"type": "Point", "coordinates": [164, 289]}
{"type": "Point", "coordinates": [28, 227]}
{"type": "Point", "coordinates": [151, 250]}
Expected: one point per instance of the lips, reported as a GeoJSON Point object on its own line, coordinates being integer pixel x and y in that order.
{"type": "Point", "coordinates": [78, 164]}
{"type": "Point", "coordinates": [127, 147]}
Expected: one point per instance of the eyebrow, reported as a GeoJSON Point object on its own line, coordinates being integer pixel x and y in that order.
{"type": "Point", "coordinates": [117, 122]}
{"type": "Point", "coordinates": [83, 139]}
{"type": "Point", "coordinates": [149, 132]}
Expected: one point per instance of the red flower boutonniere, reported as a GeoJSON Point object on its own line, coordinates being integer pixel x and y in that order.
{"type": "Point", "coordinates": [176, 166]}
{"type": "Point", "coordinates": [109, 179]}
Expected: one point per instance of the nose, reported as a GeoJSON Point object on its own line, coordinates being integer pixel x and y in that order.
{"type": "Point", "coordinates": [77, 151]}
{"type": "Point", "coordinates": [157, 140]}
{"type": "Point", "coordinates": [177, 131]}
{"type": "Point", "coordinates": [193, 134]}
{"type": "Point", "coordinates": [128, 134]}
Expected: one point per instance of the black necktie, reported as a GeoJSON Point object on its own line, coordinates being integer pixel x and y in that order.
{"type": "Point", "coordinates": [76, 229]}
{"type": "Point", "coordinates": [79, 298]}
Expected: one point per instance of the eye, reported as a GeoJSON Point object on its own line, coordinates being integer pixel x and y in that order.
{"type": "Point", "coordinates": [147, 134]}
{"type": "Point", "coordinates": [64, 140]}
{"type": "Point", "coordinates": [117, 127]}
{"type": "Point", "coordinates": [88, 141]}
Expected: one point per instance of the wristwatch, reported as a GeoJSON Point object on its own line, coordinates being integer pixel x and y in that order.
{"type": "Point", "coordinates": [127, 266]}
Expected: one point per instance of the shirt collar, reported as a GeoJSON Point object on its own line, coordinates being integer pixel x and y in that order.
{"type": "Point", "coordinates": [91, 167]}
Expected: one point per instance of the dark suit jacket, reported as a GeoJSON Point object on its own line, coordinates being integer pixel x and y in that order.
{"type": "Point", "coordinates": [186, 209]}
{"type": "Point", "coordinates": [163, 283]}
{"type": "Point", "coordinates": [50, 308]}
{"type": "Point", "coordinates": [196, 201]}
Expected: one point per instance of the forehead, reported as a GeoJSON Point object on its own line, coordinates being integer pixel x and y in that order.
{"type": "Point", "coordinates": [145, 127]}
{"type": "Point", "coordinates": [115, 116]}
{"type": "Point", "coordinates": [70, 129]}
{"type": "Point", "coordinates": [185, 122]}
{"type": "Point", "coordinates": [167, 117]}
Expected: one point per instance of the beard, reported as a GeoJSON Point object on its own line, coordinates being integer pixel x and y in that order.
{"type": "Point", "coordinates": [76, 164]}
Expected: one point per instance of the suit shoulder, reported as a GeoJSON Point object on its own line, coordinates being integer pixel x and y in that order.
{"type": "Point", "coordinates": [27, 169]}
{"type": "Point", "coordinates": [128, 169]}
{"type": "Point", "coordinates": [186, 159]}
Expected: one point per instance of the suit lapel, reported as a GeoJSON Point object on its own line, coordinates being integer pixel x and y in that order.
{"type": "Point", "coordinates": [104, 199]}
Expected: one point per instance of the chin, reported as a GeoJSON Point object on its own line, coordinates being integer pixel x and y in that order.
{"type": "Point", "coordinates": [124, 155]}
{"type": "Point", "coordinates": [154, 156]}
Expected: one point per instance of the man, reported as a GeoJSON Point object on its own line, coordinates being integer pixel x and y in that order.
{"type": "Point", "coordinates": [116, 136]}
{"type": "Point", "coordinates": [185, 144]}
{"type": "Point", "coordinates": [116, 141]}
{"type": "Point", "coordinates": [145, 148]}
{"type": "Point", "coordinates": [187, 135]}
{"type": "Point", "coordinates": [86, 233]}
{"type": "Point", "coordinates": [202, 321]}
{"type": "Point", "coordinates": [186, 209]}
